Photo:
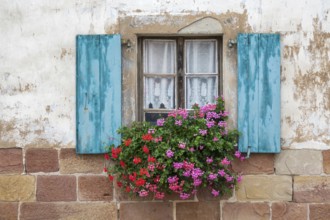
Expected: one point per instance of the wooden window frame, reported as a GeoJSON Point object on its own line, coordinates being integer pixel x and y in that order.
{"type": "Point", "coordinates": [180, 73]}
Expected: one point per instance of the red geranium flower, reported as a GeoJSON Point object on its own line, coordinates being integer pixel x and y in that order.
{"type": "Point", "coordinates": [147, 137]}
{"type": "Point", "coordinates": [124, 177]}
{"type": "Point", "coordinates": [115, 152]}
{"type": "Point", "coordinates": [128, 142]}
{"type": "Point", "coordinates": [122, 164]}
{"type": "Point", "coordinates": [132, 177]}
{"type": "Point", "coordinates": [143, 171]}
{"type": "Point", "coordinates": [136, 160]}
{"type": "Point", "coordinates": [119, 184]}
{"type": "Point", "coordinates": [128, 189]}
{"type": "Point", "coordinates": [106, 156]}
{"type": "Point", "coordinates": [145, 149]}
{"type": "Point", "coordinates": [151, 159]}
{"type": "Point", "coordinates": [110, 178]}
{"type": "Point", "coordinates": [140, 182]}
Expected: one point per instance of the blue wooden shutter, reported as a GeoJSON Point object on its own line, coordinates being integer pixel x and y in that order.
{"type": "Point", "coordinates": [98, 88]}
{"type": "Point", "coordinates": [259, 92]}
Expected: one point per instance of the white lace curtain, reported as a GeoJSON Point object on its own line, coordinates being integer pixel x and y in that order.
{"type": "Point", "coordinates": [160, 58]}
{"type": "Point", "coordinates": [201, 59]}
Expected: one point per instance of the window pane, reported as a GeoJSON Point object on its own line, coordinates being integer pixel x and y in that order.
{"type": "Point", "coordinates": [159, 56]}
{"type": "Point", "coordinates": [158, 93]}
{"type": "Point", "coordinates": [152, 117]}
{"type": "Point", "coordinates": [201, 90]}
{"type": "Point", "coordinates": [201, 56]}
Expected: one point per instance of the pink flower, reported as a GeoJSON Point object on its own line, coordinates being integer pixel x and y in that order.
{"type": "Point", "coordinates": [191, 149]}
{"type": "Point", "coordinates": [178, 122]}
{"type": "Point", "coordinates": [184, 195]}
{"type": "Point", "coordinates": [242, 158]}
{"type": "Point", "coordinates": [159, 195]}
{"type": "Point", "coordinates": [222, 172]}
{"type": "Point", "coordinates": [177, 165]}
{"type": "Point", "coordinates": [197, 182]}
{"type": "Point", "coordinates": [172, 179]}
{"type": "Point", "coordinates": [151, 167]}
{"type": "Point", "coordinates": [187, 165]}
{"type": "Point", "coordinates": [183, 113]}
{"type": "Point", "coordinates": [210, 124]}
{"type": "Point", "coordinates": [169, 153]}
{"type": "Point", "coordinates": [158, 139]}
{"type": "Point", "coordinates": [203, 132]}
{"type": "Point", "coordinates": [160, 122]}
{"type": "Point", "coordinates": [225, 114]}
{"type": "Point", "coordinates": [175, 187]}
{"type": "Point", "coordinates": [143, 193]}
{"type": "Point", "coordinates": [237, 154]}
{"type": "Point", "coordinates": [229, 178]}
{"type": "Point", "coordinates": [212, 176]}
{"type": "Point", "coordinates": [201, 147]}
{"type": "Point", "coordinates": [222, 124]}
{"type": "Point", "coordinates": [215, 139]}
{"type": "Point", "coordinates": [196, 172]}
{"type": "Point", "coordinates": [211, 115]}
{"type": "Point", "coordinates": [225, 161]}
{"type": "Point", "coordinates": [215, 192]}
{"type": "Point", "coordinates": [239, 179]}
{"type": "Point", "coordinates": [151, 131]}
{"type": "Point", "coordinates": [209, 160]}
{"type": "Point", "coordinates": [208, 107]}
{"type": "Point", "coordinates": [182, 145]}
{"type": "Point", "coordinates": [186, 173]}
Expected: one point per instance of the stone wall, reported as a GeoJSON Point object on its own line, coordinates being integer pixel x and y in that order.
{"type": "Point", "coordinates": [44, 183]}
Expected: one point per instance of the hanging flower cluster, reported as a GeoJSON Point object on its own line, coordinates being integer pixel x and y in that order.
{"type": "Point", "coordinates": [185, 151]}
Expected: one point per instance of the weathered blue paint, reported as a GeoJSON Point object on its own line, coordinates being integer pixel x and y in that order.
{"type": "Point", "coordinates": [98, 88]}
{"type": "Point", "coordinates": [259, 92]}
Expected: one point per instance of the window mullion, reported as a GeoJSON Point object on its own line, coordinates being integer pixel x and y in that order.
{"type": "Point", "coordinates": [180, 75]}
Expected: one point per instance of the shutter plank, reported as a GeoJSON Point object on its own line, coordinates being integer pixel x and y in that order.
{"type": "Point", "coordinates": [110, 89]}
{"type": "Point", "coordinates": [243, 91]}
{"type": "Point", "coordinates": [88, 72]}
{"type": "Point", "coordinates": [269, 93]}
{"type": "Point", "coordinates": [253, 71]}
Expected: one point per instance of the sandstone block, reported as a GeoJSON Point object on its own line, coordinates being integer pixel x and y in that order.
{"type": "Point", "coordinates": [256, 164]}
{"type": "Point", "coordinates": [146, 210]}
{"type": "Point", "coordinates": [299, 162]}
{"type": "Point", "coordinates": [265, 188]}
{"type": "Point", "coordinates": [11, 160]}
{"type": "Point", "coordinates": [17, 188]}
{"type": "Point", "coordinates": [288, 211]}
{"type": "Point", "coordinates": [319, 211]}
{"type": "Point", "coordinates": [94, 188]}
{"type": "Point", "coordinates": [311, 189]}
{"type": "Point", "coordinates": [245, 211]}
{"type": "Point", "coordinates": [56, 188]}
{"type": "Point", "coordinates": [198, 210]}
{"type": "Point", "coordinates": [326, 161]}
{"type": "Point", "coordinates": [8, 210]}
{"type": "Point", "coordinates": [41, 160]}
{"type": "Point", "coordinates": [68, 210]}
{"type": "Point", "coordinates": [70, 162]}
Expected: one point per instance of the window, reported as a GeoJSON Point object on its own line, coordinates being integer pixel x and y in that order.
{"type": "Point", "coordinates": [177, 72]}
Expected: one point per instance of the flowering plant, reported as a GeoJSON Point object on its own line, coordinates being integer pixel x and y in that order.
{"type": "Point", "coordinates": [183, 152]}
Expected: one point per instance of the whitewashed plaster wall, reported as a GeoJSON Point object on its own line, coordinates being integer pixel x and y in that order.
{"type": "Point", "coordinates": [37, 61]}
